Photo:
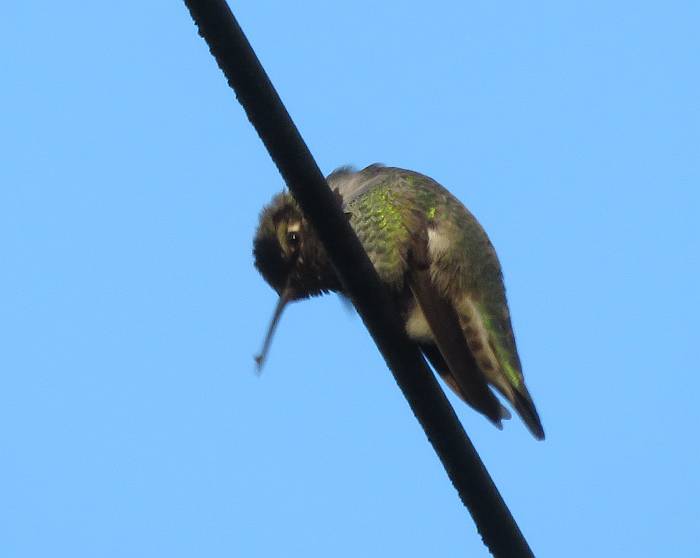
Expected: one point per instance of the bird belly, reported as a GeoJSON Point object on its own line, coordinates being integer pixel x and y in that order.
{"type": "Point", "coordinates": [417, 326]}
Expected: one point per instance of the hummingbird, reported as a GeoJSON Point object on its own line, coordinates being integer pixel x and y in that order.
{"type": "Point", "coordinates": [434, 258]}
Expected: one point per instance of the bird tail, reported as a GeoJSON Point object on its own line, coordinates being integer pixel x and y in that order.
{"type": "Point", "coordinates": [523, 404]}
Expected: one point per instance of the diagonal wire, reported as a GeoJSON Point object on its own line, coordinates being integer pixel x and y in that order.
{"type": "Point", "coordinates": [268, 115]}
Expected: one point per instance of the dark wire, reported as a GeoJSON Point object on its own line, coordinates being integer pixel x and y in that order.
{"type": "Point", "coordinates": [268, 115]}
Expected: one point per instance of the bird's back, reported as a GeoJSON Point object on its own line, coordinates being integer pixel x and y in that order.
{"type": "Point", "coordinates": [388, 205]}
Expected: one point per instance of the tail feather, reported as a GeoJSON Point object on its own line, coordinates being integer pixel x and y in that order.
{"type": "Point", "coordinates": [522, 402]}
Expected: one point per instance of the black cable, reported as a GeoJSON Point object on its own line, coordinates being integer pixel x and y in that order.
{"type": "Point", "coordinates": [268, 115]}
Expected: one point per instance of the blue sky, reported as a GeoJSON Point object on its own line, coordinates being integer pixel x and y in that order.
{"type": "Point", "coordinates": [131, 420]}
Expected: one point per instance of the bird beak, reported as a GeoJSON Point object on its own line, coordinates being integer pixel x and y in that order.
{"type": "Point", "coordinates": [286, 296]}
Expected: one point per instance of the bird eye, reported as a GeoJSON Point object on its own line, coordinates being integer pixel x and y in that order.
{"type": "Point", "coordinates": [293, 238]}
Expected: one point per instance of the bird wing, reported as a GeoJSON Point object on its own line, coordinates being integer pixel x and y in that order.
{"type": "Point", "coordinates": [351, 185]}
{"type": "Point", "coordinates": [444, 324]}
